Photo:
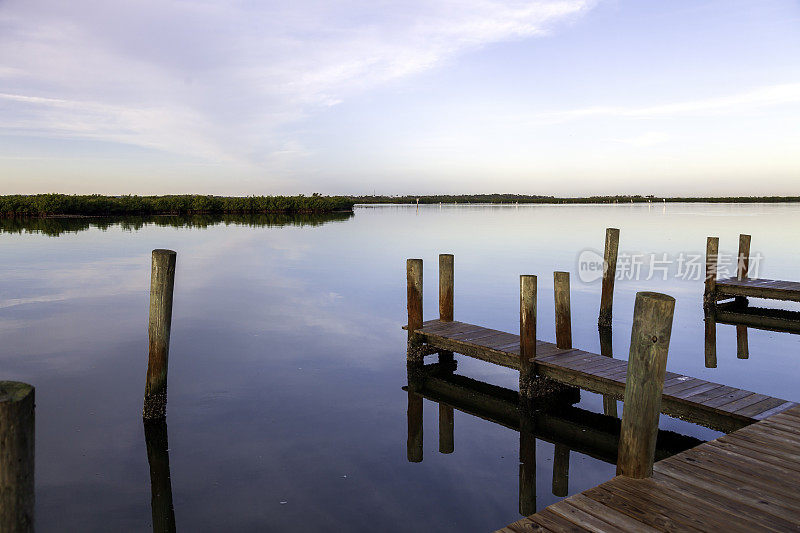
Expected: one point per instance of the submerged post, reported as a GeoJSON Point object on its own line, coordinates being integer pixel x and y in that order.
{"type": "Point", "coordinates": [446, 287]}
{"type": "Point", "coordinates": [414, 304]}
{"type": "Point", "coordinates": [712, 252]}
{"type": "Point", "coordinates": [17, 446]}
{"type": "Point", "coordinates": [609, 273]}
{"type": "Point", "coordinates": [527, 333]}
{"type": "Point", "coordinates": [563, 317]}
{"type": "Point", "coordinates": [162, 282]}
{"type": "Point", "coordinates": [647, 364]}
{"type": "Point", "coordinates": [446, 427]}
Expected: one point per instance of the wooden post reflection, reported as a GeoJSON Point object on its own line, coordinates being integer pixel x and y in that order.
{"type": "Point", "coordinates": [742, 348]}
{"type": "Point", "coordinates": [155, 435]}
{"type": "Point", "coordinates": [414, 444]}
{"type": "Point", "coordinates": [711, 338]}
{"type": "Point", "coordinates": [561, 470]}
{"type": "Point", "coordinates": [446, 427]}
{"type": "Point", "coordinates": [527, 462]}
{"type": "Point", "coordinates": [607, 350]}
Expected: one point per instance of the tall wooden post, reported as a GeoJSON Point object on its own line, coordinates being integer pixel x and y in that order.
{"type": "Point", "coordinates": [609, 273]}
{"type": "Point", "coordinates": [712, 252]}
{"type": "Point", "coordinates": [527, 333]}
{"type": "Point", "coordinates": [743, 261]}
{"type": "Point", "coordinates": [446, 287]}
{"type": "Point", "coordinates": [17, 446]}
{"type": "Point", "coordinates": [156, 441]}
{"type": "Point", "coordinates": [647, 364]}
{"type": "Point", "coordinates": [563, 317]}
{"type": "Point", "coordinates": [414, 443]}
{"type": "Point", "coordinates": [607, 350]}
{"type": "Point", "coordinates": [162, 282]}
{"type": "Point", "coordinates": [414, 304]}
{"type": "Point", "coordinates": [446, 428]}
{"type": "Point", "coordinates": [710, 338]}
{"type": "Point", "coordinates": [561, 470]}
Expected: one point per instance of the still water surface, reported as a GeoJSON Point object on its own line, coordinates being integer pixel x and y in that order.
{"type": "Point", "coordinates": [286, 408]}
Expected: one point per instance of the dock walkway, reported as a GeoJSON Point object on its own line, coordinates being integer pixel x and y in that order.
{"type": "Point", "coordinates": [745, 481]}
{"type": "Point", "coordinates": [703, 402]}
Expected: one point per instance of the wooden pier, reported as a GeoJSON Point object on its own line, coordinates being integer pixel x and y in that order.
{"type": "Point", "coordinates": [745, 481]}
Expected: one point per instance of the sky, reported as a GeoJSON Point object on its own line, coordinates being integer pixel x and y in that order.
{"type": "Point", "coordinates": [554, 97]}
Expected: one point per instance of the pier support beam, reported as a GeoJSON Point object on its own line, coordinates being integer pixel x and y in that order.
{"type": "Point", "coordinates": [712, 253]}
{"type": "Point", "coordinates": [415, 352]}
{"type": "Point", "coordinates": [647, 365]}
{"type": "Point", "coordinates": [17, 445]}
{"type": "Point", "coordinates": [446, 292]}
{"type": "Point", "coordinates": [162, 283]}
{"type": "Point", "coordinates": [563, 316]}
{"type": "Point", "coordinates": [609, 273]}
{"type": "Point", "coordinates": [527, 334]}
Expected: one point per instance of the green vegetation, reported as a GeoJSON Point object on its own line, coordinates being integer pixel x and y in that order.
{"type": "Point", "coordinates": [98, 205]}
{"type": "Point", "coordinates": [55, 226]}
{"type": "Point", "coordinates": [535, 199]}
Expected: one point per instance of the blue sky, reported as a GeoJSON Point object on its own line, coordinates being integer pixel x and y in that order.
{"type": "Point", "coordinates": [563, 97]}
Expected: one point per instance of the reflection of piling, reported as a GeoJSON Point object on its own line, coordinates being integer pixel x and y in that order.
{"type": "Point", "coordinates": [155, 435]}
{"type": "Point", "coordinates": [527, 333]}
{"type": "Point", "coordinates": [742, 348]}
{"type": "Point", "coordinates": [17, 426]}
{"type": "Point", "coordinates": [647, 364]}
{"type": "Point", "coordinates": [560, 470]}
{"type": "Point", "coordinates": [607, 350]}
{"type": "Point", "coordinates": [446, 428]}
{"type": "Point", "coordinates": [563, 317]}
{"type": "Point", "coordinates": [609, 273]}
{"type": "Point", "coordinates": [414, 443]}
{"type": "Point", "coordinates": [527, 462]}
{"type": "Point", "coordinates": [414, 304]}
{"type": "Point", "coordinates": [162, 282]}
{"type": "Point", "coordinates": [742, 267]}
{"type": "Point", "coordinates": [710, 338]}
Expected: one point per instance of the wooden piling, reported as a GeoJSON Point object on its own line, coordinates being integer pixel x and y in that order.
{"type": "Point", "coordinates": [446, 428]}
{"type": "Point", "coordinates": [17, 446]}
{"type": "Point", "coordinates": [609, 273]}
{"type": "Point", "coordinates": [607, 350]}
{"type": "Point", "coordinates": [414, 304]}
{"type": "Point", "coordinates": [563, 317]}
{"type": "Point", "coordinates": [157, 443]}
{"type": "Point", "coordinates": [712, 252]}
{"type": "Point", "coordinates": [743, 260]}
{"type": "Point", "coordinates": [561, 470]}
{"type": "Point", "coordinates": [446, 287]}
{"type": "Point", "coordinates": [162, 283]}
{"type": "Point", "coordinates": [647, 364]}
{"type": "Point", "coordinates": [414, 443]}
{"type": "Point", "coordinates": [527, 333]}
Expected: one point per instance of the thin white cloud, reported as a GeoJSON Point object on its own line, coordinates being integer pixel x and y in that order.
{"type": "Point", "coordinates": [219, 80]}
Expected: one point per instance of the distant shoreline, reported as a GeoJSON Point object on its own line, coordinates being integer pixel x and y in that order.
{"type": "Point", "coordinates": [531, 199]}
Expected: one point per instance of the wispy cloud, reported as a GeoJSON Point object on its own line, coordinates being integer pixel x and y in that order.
{"type": "Point", "coordinates": [219, 80]}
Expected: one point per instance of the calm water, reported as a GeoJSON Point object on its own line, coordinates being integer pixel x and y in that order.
{"type": "Point", "coordinates": [287, 362]}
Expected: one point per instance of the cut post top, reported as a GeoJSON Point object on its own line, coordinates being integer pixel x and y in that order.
{"type": "Point", "coordinates": [163, 251]}
{"type": "Point", "coordinates": [14, 391]}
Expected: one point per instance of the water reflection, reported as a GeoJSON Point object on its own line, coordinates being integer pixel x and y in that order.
{"type": "Point", "coordinates": [157, 442]}
{"type": "Point", "coordinates": [558, 422]}
{"type": "Point", "coordinates": [56, 226]}
{"type": "Point", "coordinates": [740, 314]}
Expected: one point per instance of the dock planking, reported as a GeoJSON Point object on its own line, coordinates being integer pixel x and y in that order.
{"type": "Point", "coordinates": [692, 399]}
{"type": "Point", "coordinates": [758, 288]}
{"type": "Point", "coordinates": [743, 481]}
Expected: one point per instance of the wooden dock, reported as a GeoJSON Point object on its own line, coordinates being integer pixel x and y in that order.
{"type": "Point", "coordinates": [771, 289]}
{"type": "Point", "coordinates": [745, 481]}
{"type": "Point", "coordinates": [695, 400]}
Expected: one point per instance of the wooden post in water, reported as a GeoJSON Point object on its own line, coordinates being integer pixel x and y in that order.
{"type": "Point", "coordinates": [157, 443]}
{"type": "Point", "coordinates": [561, 470]}
{"type": "Point", "coordinates": [712, 252]}
{"type": "Point", "coordinates": [527, 333]}
{"type": "Point", "coordinates": [162, 282]}
{"type": "Point", "coordinates": [563, 317]}
{"type": "Point", "coordinates": [446, 287]}
{"type": "Point", "coordinates": [743, 261]}
{"type": "Point", "coordinates": [17, 446]}
{"type": "Point", "coordinates": [414, 303]}
{"type": "Point", "coordinates": [609, 273]}
{"type": "Point", "coordinates": [446, 427]}
{"type": "Point", "coordinates": [647, 364]}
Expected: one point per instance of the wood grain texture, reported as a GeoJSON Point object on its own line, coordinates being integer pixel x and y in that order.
{"type": "Point", "coordinates": [162, 284]}
{"type": "Point", "coordinates": [17, 447]}
{"type": "Point", "coordinates": [446, 287]}
{"type": "Point", "coordinates": [609, 273]}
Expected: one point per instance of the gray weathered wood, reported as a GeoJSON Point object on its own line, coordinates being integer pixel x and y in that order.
{"type": "Point", "coordinates": [414, 304]}
{"type": "Point", "coordinates": [446, 428]}
{"type": "Point", "coordinates": [609, 273]}
{"type": "Point", "coordinates": [712, 257]}
{"type": "Point", "coordinates": [527, 332]}
{"type": "Point", "coordinates": [647, 364]}
{"type": "Point", "coordinates": [563, 316]}
{"type": "Point", "coordinates": [446, 287]}
{"type": "Point", "coordinates": [17, 445]}
{"type": "Point", "coordinates": [162, 283]}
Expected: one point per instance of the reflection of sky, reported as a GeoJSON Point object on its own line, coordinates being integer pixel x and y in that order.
{"type": "Point", "coordinates": [287, 359]}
